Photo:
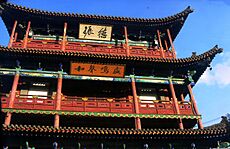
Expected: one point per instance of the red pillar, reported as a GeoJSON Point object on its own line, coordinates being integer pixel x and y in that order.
{"type": "Point", "coordinates": [126, 41]}
{"type": "Point", "coordinates": [161, 47]}
{"type": "Point", "coordinates": [11, 98]}
{"type": "Point", "coordinates": [171, 42]}
{"type": "Point", "coordinates": [64, 37]}
{"type": "Point", "coordinates": [58, 100]}
{"type": "Point", "coordinates": [175, 102]}
{"type": "Point", "coordinates": [136, 104]}
{"type": "Point", "coordinates": [26, 36]}
{"type": "Point", "coordinates": [200, 125]}
{"type": "Point", "coordinates": [15, 36]}
{"type": "Point", "coordinates": [12, 34]}
{"type": "Point", "coordinates": [182, 97]}
{"type": "Point", "coordinates": [166, 45]}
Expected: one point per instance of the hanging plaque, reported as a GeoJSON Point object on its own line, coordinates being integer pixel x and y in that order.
{"type": "Point", "coordinates": [88, 69]}
{"type": "Point", "coordinates": [95, 32]}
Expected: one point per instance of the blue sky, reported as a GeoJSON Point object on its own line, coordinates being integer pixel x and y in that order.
{"type": "Point", "coordinates": [207, 26]}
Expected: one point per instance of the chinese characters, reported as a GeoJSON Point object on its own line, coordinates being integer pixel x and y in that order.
{"type": "Point", "coordinates": [96, 32]}
{"type": "Point", "coordinates": [88, 31]}
{"type": "Point", "coordinates": [97, 69]}
{"type": "Point", "coordinates": [102, 33]}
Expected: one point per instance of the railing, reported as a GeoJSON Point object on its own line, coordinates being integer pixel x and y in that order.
{"type": "Point", "coordinates": [93, 104]}
{"type": "Point", "coordinates": [186, 108]}
{"type": "Point", "coordinates": [94, 48]}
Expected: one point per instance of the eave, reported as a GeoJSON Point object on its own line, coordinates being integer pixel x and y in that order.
{"type": "Point", "coordinates": [127, 133]}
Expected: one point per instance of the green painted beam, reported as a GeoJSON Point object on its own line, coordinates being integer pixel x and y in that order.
{"type": "Point", "coordinates": [103, 114]}
{"type": "Point", "coordinates": [54, 74]}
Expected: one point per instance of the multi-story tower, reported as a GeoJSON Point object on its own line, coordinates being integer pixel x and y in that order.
{"type": "Point", "coordinates": [98, 81]}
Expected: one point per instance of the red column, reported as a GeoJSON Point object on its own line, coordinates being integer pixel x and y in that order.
{"type": "Point", "coordinates": [11, 98]}
{"type": "Point", "coordinates": [126, 41]}
{"type": "Point", "coordinates": [171, 42]}
{"type": "Point", "coordinates": [12, 34]}
{"type": "Point", "coordinates": [166, 45]}
{"type": "Point", "coordinates": [26, 36]}
{"type": "Point", "coordinates": [175, 102]}
{"type": "Point", "coordinates": [200, 125]}
{"type": "Point", "coordinates": [15, 36]}
{"type": "Point", "coordinates": [58, 100]}
{"type": "Point", "coordinates": [64, 37]}
{"type": "Point", "coordinates": [136, 104]}
{"type": "Point", "coordinates": [161, 47]}
{"type": "Point", "coordinates": [182, 97]}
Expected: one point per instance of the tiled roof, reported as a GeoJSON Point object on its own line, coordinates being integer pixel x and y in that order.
{"type": "Point", "coordinates": [116, 131]}
{"type": "Point", "coordinates": [114, 18]}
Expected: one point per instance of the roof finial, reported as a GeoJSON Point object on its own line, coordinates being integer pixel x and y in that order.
{"type": "Point", "coordinates": [190, 9]}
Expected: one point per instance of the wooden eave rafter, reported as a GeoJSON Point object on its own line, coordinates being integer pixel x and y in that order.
{"type": "Point", "coordinates": [120, 132]}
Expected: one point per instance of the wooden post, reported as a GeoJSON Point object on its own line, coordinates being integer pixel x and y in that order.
{"type": "Point", "coordinates": [136, 104]}
{"type": "Point", "coordinates": [175, 102]}
{"type": "Point", "coordinates": [12, 98]}
{"type": "Point", "coordinates": [58, 100]}
{"type": "Point", "coordinates": [15, 36]}
{"type": "Point", "coordinates": [12, 34]}
{"type": "Point", "coordinates": [64, 37]}
{"type": "Point", "coordinates": [166, 45]}
{"type": "Point", "coordinates": [26, 36]}
{"type": "Point", "coordinates": [171, 43]}
{"type": "Point", "coordinates": [161, 47]}
{"type": "Point", "coordinates": [182, 97]}
{"type": "Point", "coordinates": [192, 99]}
{"type": "Point", "coordinates": [126, 41]}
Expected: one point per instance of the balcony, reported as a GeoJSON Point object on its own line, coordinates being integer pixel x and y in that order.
{"type": "Point", "coordinates": [87, 47]}
{"type": "Point", "coordinates": [93, 104]}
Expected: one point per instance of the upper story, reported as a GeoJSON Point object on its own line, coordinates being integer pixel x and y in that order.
{"type": "Point", "coordinates": [37, 29]}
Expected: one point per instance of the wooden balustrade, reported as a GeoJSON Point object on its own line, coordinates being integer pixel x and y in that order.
{"type": "Point", "coordinates": [93, 48]}
{"type": "Point", "coordinates": [93, 104]}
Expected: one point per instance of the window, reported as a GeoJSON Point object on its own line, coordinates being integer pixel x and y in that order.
{"type": "Point", "coordinates": [42, 94]}
{"type": "Point", "coordinates": [147, 99]}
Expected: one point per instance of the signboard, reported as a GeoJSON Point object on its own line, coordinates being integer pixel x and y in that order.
{"type": "Point", "coordinates": [87, 69]}
{"type": "Point", "coordinates": [95, 32]}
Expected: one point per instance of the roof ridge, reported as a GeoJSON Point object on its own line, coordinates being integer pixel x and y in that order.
{"type": "Point", "coordinates": [185, 12]}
